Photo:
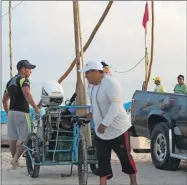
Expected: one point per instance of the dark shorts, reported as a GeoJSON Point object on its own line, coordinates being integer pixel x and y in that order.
{"type": "Point", "coordinates": [121, 146]}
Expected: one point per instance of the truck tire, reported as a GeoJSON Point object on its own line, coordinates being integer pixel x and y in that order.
{"type": "Point", "coordinates": [160, 149]}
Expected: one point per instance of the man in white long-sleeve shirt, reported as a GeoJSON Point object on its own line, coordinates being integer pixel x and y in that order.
{"type": "Point", "coordinates": [111, 122]}
{"type": "Point", "coordinates": [106, 70]}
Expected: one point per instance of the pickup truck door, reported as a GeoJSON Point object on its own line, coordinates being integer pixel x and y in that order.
{"type": "Point", "coordinates": [144, 103]}
{"type": "Point", "coordinates": [181, 122]}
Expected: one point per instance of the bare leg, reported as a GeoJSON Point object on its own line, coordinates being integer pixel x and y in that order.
{"type": "Point", "coordinates": [133, 179]}
{"type": "Point", "coordinates": [13, 146]}
{"type": "Point", "coordinates": [103, 180]}
{"type": "Point", "coordinates": [19, 165]}
{"type": "Point", "coordinates": [20, 150]}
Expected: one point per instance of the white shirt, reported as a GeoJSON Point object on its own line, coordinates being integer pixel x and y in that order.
{"type": "Point", "coordinates": [90, 86]}
{"type": "Point", "coordinates": [107, 108]}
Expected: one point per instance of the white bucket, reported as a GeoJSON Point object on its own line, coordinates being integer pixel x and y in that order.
{"type": "Point", "coordinates": [139, 143]}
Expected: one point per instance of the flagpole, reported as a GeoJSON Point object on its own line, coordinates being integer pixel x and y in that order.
{"type": "Point", "coordinates": [146, 58]}
{"type": "Point", "coordinates": [152, 44]}
{"type": "Point", "coordinates": [146, 55]}
{"type": "Point", "coordinates": [144, 23]}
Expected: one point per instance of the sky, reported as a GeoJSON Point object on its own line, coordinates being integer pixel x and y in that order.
{"type": "Point", "coordinates": [42, 32]}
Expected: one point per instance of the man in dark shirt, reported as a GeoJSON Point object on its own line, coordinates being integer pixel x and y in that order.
{"type": "Point", "coordinates": [18, 125]}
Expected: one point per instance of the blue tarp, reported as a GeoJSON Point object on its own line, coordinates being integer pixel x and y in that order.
{"type": "Point", "coordinates": [4, 117]}
{"type": "Point", "coordinates": [127, 106]}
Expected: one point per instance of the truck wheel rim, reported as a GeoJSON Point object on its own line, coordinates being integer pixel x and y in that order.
{"type": "Point", "coordinates": [160, 148]}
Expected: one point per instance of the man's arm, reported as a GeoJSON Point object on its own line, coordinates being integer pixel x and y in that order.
{"type": "Point", "coordinates": [185, 91]}
{"type": "Point", "coordinates": [5, 101]}
{"type": "Point", "coordinates": [89, 89]}
{"type": "Point", "coordinates": [25, 85]}
{"type": "Point", "coordinates": [174, 88]}
{"type": "Point", "coordinates": [115, 98]}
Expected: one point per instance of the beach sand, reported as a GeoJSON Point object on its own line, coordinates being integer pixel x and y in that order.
{"type": "Point", "coordinates": [147, 174]}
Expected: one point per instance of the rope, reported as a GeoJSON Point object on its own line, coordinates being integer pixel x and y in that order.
{"type": "Point", "coordinates": [15, 6]}
{"type": "Point", "coordinates": [132, 67]}
{"type": "Point", "coordinates": [58, 125]}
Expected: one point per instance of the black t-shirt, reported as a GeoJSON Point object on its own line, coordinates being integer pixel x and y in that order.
{"type": "Point", "coordinates": [17, 98]}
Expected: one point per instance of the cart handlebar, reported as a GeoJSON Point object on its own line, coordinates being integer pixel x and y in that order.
{"type": "Point", "coordinates": [80, 120]}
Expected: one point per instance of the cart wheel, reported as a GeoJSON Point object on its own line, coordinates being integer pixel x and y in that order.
{"type": "Point", "coordinates": [33, 143]}
{"type": "Point", "coordinates": [83, 164]}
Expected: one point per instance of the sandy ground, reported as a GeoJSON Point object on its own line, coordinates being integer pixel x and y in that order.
{"type": "Point", "coordinates": [3, 131]}
{"type": "Point", "coordinates": [147, 175]}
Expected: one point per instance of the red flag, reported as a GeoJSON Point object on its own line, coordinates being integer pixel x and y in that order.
{"type": "Point", "coordinates": [146, 16]}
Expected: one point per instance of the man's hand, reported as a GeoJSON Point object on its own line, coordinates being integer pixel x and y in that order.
{"type": "Point", "coordinates": [39, 104]}
{"type": "Point", "coordinates": [36, 110]}
{"type": "Point", "coordinates": [89, 115]}
{"type": "Point", "coordinates": [101, 129]}
{"type": "Point", "coordinates": [37, 116]}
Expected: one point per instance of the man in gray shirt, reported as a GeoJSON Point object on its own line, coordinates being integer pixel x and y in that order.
{"type": "Point", "coordinates": [111, 122]}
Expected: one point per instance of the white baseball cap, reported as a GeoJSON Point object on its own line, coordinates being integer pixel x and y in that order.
{"type": "Point", "coordinates": [92, 65]}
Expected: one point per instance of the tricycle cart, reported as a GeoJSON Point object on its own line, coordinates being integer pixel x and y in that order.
{"type": "Point", "coordinates": [57, 140]}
